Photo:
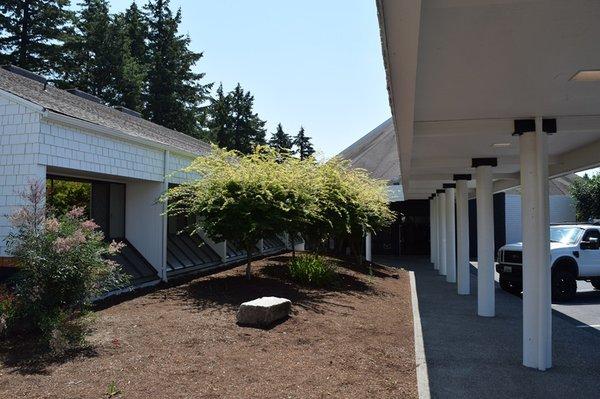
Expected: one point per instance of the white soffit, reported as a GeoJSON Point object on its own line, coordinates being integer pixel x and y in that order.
{"type": "Point", "coordinates": [480, 65]}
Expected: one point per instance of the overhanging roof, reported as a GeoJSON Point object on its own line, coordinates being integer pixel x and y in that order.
{"type": "Point", "coordinates": [64, 103]}
{"type": "Point", "coordinates": [376, 153]}
{"type": "Point", "coordinates": [461, 71]}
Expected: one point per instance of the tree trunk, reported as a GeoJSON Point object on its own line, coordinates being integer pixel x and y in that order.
{"type": "Point", "coordinates": [357, 252]}
{"type": "Point", "coordinates": [248, 263]}
{"type": "Point", "coordinates": [248, 267]}
{"type": "Point", "coordinates": [293, 246]}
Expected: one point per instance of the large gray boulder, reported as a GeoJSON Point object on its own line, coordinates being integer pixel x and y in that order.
{"type": "Point", "coordinates": [263, 312]}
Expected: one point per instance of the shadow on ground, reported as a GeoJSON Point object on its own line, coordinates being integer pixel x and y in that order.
{"type": "Point", "coordinates": [480, 357]}
{"type": "Point", "coordinates": [22, 354]}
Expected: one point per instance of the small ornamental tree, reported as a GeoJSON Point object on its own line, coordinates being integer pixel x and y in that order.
{"type": "Point", "coordinates": [301, 211]}
{"type": "Point", "coordinates": [236, 198]}
{"type": "Point", "coordinates": [586, 193]}
{"type": "Point", "coordinates": [351, 204]}
{"type": "Point", "coordinates": [63, 264]}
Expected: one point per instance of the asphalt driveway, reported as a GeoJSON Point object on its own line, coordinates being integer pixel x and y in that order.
{"type": "Point", "coordinates": [476, 357]}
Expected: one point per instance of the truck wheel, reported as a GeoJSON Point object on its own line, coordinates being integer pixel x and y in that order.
{"type": "Point", "coordinates": [509, 287]}
{"type": "Point", "coordinates": [564, 285]}
{"type": "Point", "coordinates": [596, 283]}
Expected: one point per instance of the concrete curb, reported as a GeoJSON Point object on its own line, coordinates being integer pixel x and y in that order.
{"type": "Point", "coordinates": [421, 361]}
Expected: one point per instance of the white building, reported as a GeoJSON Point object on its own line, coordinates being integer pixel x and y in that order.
{"type": "Point", "coordinates": [48, 134]}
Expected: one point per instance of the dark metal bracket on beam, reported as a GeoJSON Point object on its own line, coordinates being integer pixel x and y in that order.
{"type": "Point", "coordinates": [528, 125]}
{"type": "Point", "coordinates": [475, 162]}
{"type": "Point", "coordinates": [462, 177]}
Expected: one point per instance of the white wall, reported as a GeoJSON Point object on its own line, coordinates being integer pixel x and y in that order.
{"type": "Point", "coordinates": [143, 220]}
{"type": "Point", "coordinates": [19, 145]}
{"type": "Point", "coordinates": [513, 218]}
{"type": "Point", "coordinates": [29, 144]}
{"type": "Point", "coordinates": [71, 148]}
{"type": "Point", "coordinates": [175, 163]}
{"type": "Point", "coordinates": [562, 209]}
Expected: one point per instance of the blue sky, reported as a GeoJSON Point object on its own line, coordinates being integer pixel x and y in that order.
{"type": "Point", "coordinates": [312, 62]}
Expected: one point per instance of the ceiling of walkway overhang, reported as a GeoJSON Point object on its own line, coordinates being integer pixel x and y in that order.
{"type": "Point", "coordinates": [461, 71]}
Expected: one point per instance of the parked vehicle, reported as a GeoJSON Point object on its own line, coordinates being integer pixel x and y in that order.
{"type": "Point", "coordinates": [574, 253]}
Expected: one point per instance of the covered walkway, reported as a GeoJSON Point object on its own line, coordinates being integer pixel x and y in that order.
{"type": "Point", "coordinates": [473, 357]}
{"type": "Point", "coordinates": [486, 96]}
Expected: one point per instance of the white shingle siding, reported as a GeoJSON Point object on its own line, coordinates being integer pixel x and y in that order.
{"type": "Point", "coordinates": [175, 163]}
{"type": "Point", "coordinates": [71, 148]}
{"type": "Point", "coordinates": [19, 143]}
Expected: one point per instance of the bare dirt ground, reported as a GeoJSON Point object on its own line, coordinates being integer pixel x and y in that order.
{"type": "Point", "coordinates": [355, 341]}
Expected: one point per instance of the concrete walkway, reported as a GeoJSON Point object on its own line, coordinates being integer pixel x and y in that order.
{"type": "Point", "coordinates": [475, 357]}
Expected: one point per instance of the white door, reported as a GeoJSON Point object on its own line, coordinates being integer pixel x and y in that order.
{"type": "Point", "coordinates": [589, 259]}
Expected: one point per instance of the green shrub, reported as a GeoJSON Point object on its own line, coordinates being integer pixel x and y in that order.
{"type": "Point", "coordinates": [7, 308]}
{"type": "Point", "coordinates": [312, 270]}
{"type": "Point", "coordinates": [63, 265]}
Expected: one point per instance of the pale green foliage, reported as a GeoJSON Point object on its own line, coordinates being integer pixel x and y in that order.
{"type": "Point", "coordinates": [245, 198]}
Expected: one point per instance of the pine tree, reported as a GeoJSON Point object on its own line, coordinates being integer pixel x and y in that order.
{"type": "Point", "coordinates": [129, 73]}
{"type": "Point", "coordinates": [281, 140]}
{"type": "Point", "coordinates": [88, 61]}
{"type": "Point", "coordinates": [304, 146]}
{"type": "Point", "coordinates": [137, 32]}
{"type": "Point", "coordinates": [248, 130]}
{"type": "Point", "coordinates": [219, 120]}
{"type": "Point", "coordinates": [32, 33]}
{"type": "Point", "coordinates": [175, 95]}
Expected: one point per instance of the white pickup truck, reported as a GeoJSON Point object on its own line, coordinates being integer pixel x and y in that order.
{"type": "Point", "coordinates": [574, 253]}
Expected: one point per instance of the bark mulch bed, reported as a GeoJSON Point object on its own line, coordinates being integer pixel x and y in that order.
{"type": "Point", "coordinates": [354, 341]}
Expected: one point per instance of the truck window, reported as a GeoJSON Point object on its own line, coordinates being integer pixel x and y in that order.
{"type": "Point", "coordinates": [592, 233]}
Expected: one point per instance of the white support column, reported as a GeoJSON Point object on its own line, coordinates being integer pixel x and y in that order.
{"type": "Point", "coordinates": [261, 246]}
{"type": "Point", "coordinates": [368, 256]}
{"type": "Point", "coordinates": [442, 231]}
{"type": "Point", "coordinates": [436, 237]}
{"type": "Point", "coordinates": [537, 311]}
{"type": "Point", "coordinates": [462, 235]}
{"type": "Point", "coordinates": [431, 232]}
{"type": "Point", "coordinates": [164, 232]}
{"type": "Point", "coordinates": [450, 234]}
{"type": "Point", "coordinates": [485, 241]}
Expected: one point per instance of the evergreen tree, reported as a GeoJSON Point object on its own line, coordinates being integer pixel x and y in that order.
{"type": "Point", "coordinates": [129, 73]}
{"type": "Point", "coordinates": [32, 33]}
{"type": "Point", "coordinates": [137, 32]}
{"type": "Point", "coordinates": [280, 140]}
{"type": "Point", "coordinates": [247, 129]}
{"type": "Point", "coordinates": [304, 146]}
{"type": "Point", "coordinates": [88, 57]}
{"type": "Point", "coordinates": [175, 94]}
{"type": "Point", "coordinates": [219, 120]}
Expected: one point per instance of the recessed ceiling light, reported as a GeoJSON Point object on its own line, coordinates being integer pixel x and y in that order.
{"type": "Point", "coordinates": [501, 145]}
{"type": "Point", "coordinates": [587, 76]}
